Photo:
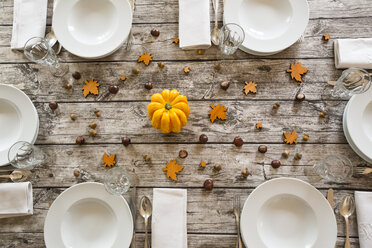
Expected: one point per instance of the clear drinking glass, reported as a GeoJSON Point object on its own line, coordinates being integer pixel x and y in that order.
{"type": "Point", "coordinates": [335, 168]}
{"type": "Point", "coordinates": [37, 50]}
{"type": "Point", "coordinates": [352, 81]}
{"type": "Point", "coordinates": [117, 181]}
{"type": "Point", "coordinates": [24, 155]}
{"type": "Point", "coordinates": [231, 36]}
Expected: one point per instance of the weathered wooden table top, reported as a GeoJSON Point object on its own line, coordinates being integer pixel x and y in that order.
{"type": "Point", "coordinates": [210, 217]}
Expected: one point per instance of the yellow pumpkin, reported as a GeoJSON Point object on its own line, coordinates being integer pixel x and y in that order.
{"type": "Point", "coordinates": [168, 111]}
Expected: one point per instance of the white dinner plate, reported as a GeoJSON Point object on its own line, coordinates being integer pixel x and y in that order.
{"type": "Point", "coordinates": [270, 26]}
{"type": "Point", "coordinates": [287, 213]}
{"type": "Point", "coordinates": [87, 216]}
{"type": "Point", "coordinates": [19, 120]}
{"type": "Point", "coordinates": [92, 28]}
{"type": "Point", "coordinates": [361, 124]}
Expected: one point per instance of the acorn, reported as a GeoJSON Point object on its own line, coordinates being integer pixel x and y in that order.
{"type": "Point", "coordinates": [208, 184]}
{"type": "Point", "coordinates": [225, 85]}
{"type": "Point", "coordinates": [183, 154]}
{"type": "Point", "coordinates": [53, 105]}
{"type": "Point", "coordinates": [217, 167]}
{"type": "Point", "coordinates": [285, 154]}
{"type": "Point", "coordinates": [276, 105]}
{"type": "Point", "coordinates": [80, 140]}
{"type": "Point", "coordinates": [238, 141]}
{"type": "Point", "coordinates": [297, 156]}
{"type": "Point", "coordinates": [275, 164]}
{"type": "Point", "coordinates": [93, 125]}
{"type": "Point", "coordinates": [300, 97]}
{"type": "Point", "coordinates": [125, 141]}
{"type": "Point", "coordinates": [203, 138]}
{"type": "Point", "coordinates": [262, 149]}
{"type": "Point", "coordinates": [73, 117]}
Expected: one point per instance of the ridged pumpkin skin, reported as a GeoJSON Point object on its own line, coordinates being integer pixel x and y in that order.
{"type": "Point", "coordinates": [168, 111]}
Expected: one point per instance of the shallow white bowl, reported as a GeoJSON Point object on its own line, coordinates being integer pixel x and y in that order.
{"type": "Point", "coordinates": [92, 28]}
{"type": "Point", "coordinates": [270, 26]}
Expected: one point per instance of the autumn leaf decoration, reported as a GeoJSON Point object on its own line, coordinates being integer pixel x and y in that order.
{"type": "Point", "coordinates": [176, 40]}
{"type": "Point", "coordinates": [186, 69]}
{"type": "Point", "coordinates": [172, 169]}
{"type": "Point", "coordinates": [290, 138]}
{"type": "Point", "coordinates": [250, 87]}
{"type": "Point", "coordinates": [326, 37]}
{"type": "Point", "coordinates": [146, 58]}
{"type": "Point", "coordinates": [217, 111]}
{"type": "Point", "coordinates": [203, 164]}
{"type": "Point", "coordinates": [108, 160]}
{"type": "Point", "coordinates": [90, 87]}
{"type": "Point", "coordinates": [297, 70]}
{"type": "Point", "coordinates": [259, 125]}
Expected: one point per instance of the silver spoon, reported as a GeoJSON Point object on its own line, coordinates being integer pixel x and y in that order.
{"type": "Point", "coordinates": [146, 211]}
{"type": "Point", "coordinates": [347, 208]}
{"type": "Point", "coordinates": [51, 37]}
{"type": "Point", "coordinates": [16, 176]}
{"type": "Point", "coordinates": [214, 35]}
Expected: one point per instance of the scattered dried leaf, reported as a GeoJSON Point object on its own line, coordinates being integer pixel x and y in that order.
{"type": "Point", "coordinates": [259, 125]}
{"type": "Point", "coordinates": [172, 169]}
{"type": "Point", "coordinates": [326, 37]}
{"type": "Point", "coordinates": [176, 40]}
{"type": "Point", "coordinates": [250, 87]}
{"type": "Point", "coordinates": [297, 70]}
{"type": "Point", "coordinates": [91, 87]}
{"type": "Point", "coordinates": [123, 77]}
{"type": "Point", "coordinates": [203, 164]}
{"type": "Point", "coordinates": [186, 69]}
{"type": "Point", "coordinates": [108, 160]}
{"type": "Point", "coordinates": [146, 58]}
{"type": "Point", "coordinates": [217, 111]}
{"type": "Point", "coordinates": [290, 138]}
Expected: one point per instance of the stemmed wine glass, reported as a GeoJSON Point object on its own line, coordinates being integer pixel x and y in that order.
{"type": "Point", "coordinates": [38, 50]}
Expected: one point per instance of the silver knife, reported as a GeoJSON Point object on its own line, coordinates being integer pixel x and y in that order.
{"type": "Point", "coordinates": [330, 198]}
{"type": "Point", "coordinates": [133, 208]}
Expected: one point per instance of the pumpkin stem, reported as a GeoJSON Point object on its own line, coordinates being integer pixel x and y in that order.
{"type": "Point", "coordinates": [168, 106]}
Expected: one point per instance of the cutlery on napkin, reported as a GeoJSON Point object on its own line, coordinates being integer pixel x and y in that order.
{"type": "Point", "coordinates": [15, 199]}
{"type": "Point", "coordinates": [169, 218]}
{"type": "Point", "coordinates": [363, 202]}
{"type": "Point", "coordinates": [194, 24]}
{"type": "Point", "coordinates": [29, 20]}
{"type": "Point", "coordinates": [353, 53]}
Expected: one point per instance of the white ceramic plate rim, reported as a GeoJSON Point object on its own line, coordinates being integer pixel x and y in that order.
{"type": "Point", "coordinates": [298, 25]}
{"type": "Point", "coordinates": [27, 113]}
{"type": "Point", "coordinates": [326, 220]}
{"type": "Point", "coordinates": [103, 49]}
{"type": "Point", "coordinates": [349, 140]}
{"type": "Point", "coordinates": [354, 119]}
{"type": "Point", "coordinates": [120, 207]}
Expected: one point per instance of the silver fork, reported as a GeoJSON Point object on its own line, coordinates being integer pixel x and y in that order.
{"type": "Point", "coordinates": [363, 170]}
{"type": "Point", "coordinates": [130, 36]}
{"type": "Point", "coordinates": [237, 220]}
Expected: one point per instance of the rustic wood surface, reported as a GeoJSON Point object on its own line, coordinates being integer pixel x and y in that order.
{"type": "Point", "coordinates": [210, 218]}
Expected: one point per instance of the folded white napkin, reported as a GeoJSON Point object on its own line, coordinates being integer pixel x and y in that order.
{"type": "Point", "coordinates": [363, 202]}
{"type": "Point", "coordinates": [169, 218]}
{"type": "Point", "coordinates": [194, 26]}
{"type": "Point", "coordinates": [29, 20]}
{"type": "Point", "coordinates": [15, 199]}
{"type": "Point", "coordinates": [353, 53]}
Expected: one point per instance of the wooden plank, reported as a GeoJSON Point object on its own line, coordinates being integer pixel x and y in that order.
{"type": "Point", "coordinates": [88, 159]}
{"type": "Point", "coordinates": [36, 240]}
{"type": "Point", "coordinates": [159, 11]}
{"type": "Point", "coordinates": [162, 47]}
{"type": "Point", "coordinates": [207, 212]}
{"type": "Point", "coordinates": [130, 119]}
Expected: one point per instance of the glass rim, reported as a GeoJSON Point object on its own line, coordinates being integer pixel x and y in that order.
{"type": "Point", "coordinates": [42, 40]}
{"type": "Point", "coordinates": [366, 73]}
{"type": "Point", "coordinates": [339, 156]}
{"type": "Point", "coordinates": [237, 25]}
{"type": "Point", "coordinates": [17, 143]}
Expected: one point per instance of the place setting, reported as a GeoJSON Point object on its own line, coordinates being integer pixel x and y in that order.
{"type": "Point", "coordinates": [222, 148]}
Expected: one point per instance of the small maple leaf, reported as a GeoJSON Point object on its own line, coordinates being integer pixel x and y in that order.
{"type": "Point", "coordinates": [217, 111]}
{"type": "Point", "coordinates": [146, 58]}
{"type": "Point", "coordinates": [326, 37]}
{"type": "Point", "coordinates": [297, 70]}
{"type": "Point", "coordinates": [123, 77]}
{"type": "Point", "coordinates": [186, 69]}
{"type": "Point", "coordinates": [290, 138]}
{"type": "Point", "coordinates": [172, 169]}
{"type": "Point", "coordinates": [91, 87]}
{"type": "Point", "coordinates": [259, 125]}
{"type": "Point", "coordinates": [109, 160]}
{"type": "Point", "coordinates": [203, 164]}
{"type": "Point", "coordinates": [176, 40]}
{"type": "Point", "coordinates": [250, 87]}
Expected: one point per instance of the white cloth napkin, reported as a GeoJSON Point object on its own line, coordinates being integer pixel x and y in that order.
{"type": "Point", "coordinates": [194, 26]}
{"type": "Point", "coordinates": [363, 202]}
{"type": "Point", "coordinates": [15, 199]}
{"type": "Point", "coordinates": [29, 20]}
{"type": "Point", "coordinates": [169, 218]}
{"type": "Point", "coordinates": [353, 53]}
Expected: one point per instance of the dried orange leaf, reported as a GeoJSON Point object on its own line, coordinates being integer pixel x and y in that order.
{"type": "Point", "coordinates": [123, 77]}
{"type": "Point", "coordinates": [297, 70]}
{"type": "Point", "coordinates": [186, 69]}
{"type": "Point", "coordinates": [176, 40]}
{"type": "Point", "coordinates": [91, 87]}
{"type": "Point", "coordinates": [290, 138]}
{"type": "Point", "coordinates": [172, 169]}
{"type": "Point", "coordinates": [217, 111]}
{"type": "Point", "coordinates": [109, 160]}
{"type": "Point", "coordinates": [146, 58]}
{"type": "Point", "coordinates": [259, 125]}
{"type": "Point", "coordinates": [326, 37]}
{"type": "Point", "coordinates": [203, 164]}
{"type": "Point", "coordinates": [250, 87]}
